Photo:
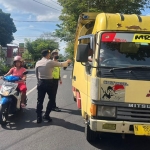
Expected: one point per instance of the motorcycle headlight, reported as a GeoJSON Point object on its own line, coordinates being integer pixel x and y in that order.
{"type": "Point", "coordinates": [106, 111]}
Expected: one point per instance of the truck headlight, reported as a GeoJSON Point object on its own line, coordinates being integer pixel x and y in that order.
{"type": "Point", "coordinates": [106, 111]}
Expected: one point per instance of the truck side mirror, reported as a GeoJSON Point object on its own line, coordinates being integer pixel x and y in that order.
{"type": "Point", "coordinates": [82, 53]}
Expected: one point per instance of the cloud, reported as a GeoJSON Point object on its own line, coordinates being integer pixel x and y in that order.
{"type": "Point", "coordinates": [30, 17]}
{"type": "Point", "coordinates": [31, 26]}
{"type": "Point", "coordinates": [41, 12]}
{"type": "Point", "coordinates": [51, 16]}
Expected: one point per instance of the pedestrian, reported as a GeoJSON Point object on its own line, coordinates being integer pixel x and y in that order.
{"type": "Point", "coordinates": [43, 69]}
{"type": "Point", "coordinates": [56, 78]}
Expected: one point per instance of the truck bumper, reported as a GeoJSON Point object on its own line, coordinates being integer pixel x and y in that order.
{"type": "Point", "coordinates": [121, 126]}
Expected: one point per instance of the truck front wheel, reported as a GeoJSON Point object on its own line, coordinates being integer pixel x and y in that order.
{"type": "Point", "coordinates": [89, 134]}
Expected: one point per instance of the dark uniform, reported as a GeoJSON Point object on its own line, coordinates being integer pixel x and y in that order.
{"type": "Point", "coordinates": [44, 68]}
{"type": "Point", "coordinates": [56, 78]}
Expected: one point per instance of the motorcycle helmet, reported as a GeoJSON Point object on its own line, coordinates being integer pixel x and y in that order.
{"type": "Point", "coordinates": [18, 58]}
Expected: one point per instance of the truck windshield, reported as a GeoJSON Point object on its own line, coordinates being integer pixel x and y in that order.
{"type": "Point", "coordinates": [124, 54]}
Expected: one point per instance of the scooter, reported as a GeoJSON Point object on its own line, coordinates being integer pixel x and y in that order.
{"type": "Point", "coordinates": [10, 101]}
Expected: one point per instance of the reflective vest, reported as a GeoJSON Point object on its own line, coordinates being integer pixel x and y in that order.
{"type": "Point", "coordinates": [56, 73]}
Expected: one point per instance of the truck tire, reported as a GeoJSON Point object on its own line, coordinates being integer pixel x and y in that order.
{"type": "Point", "coordinates": [3, 114]}
{"type": "Point", "coordinates": [89, 134]}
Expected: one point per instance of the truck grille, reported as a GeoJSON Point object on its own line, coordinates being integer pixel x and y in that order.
{"type": "Point", "coordinates": [133, 114]}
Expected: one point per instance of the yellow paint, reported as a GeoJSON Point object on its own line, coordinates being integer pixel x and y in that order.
{"type": "Point", "coordinates": [113, 22]}
{"type": "Point", "coordinates": [134, 91]}
{"type": "Point", "coordinates": [141, 38]}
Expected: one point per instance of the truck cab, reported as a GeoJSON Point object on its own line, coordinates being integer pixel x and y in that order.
{"type": "Point", "coordinates": [111, 73]}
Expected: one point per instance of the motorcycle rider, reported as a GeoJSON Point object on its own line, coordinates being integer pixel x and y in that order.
{"type": "Point", "coordinates": [18, 70]}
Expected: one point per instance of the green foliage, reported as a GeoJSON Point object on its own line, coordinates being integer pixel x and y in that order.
{"type": "Point", "coordinates": [35, 47]}
{"type": "Point", "coordinates": [73, 8]}
{"type": "Point", "coordinates": [7, 28]}
{"type": "Point", "coordinates": [3, 68]}
{"type": "Point", "coordinates": [26, 55]}
{"type": "Point", "coordinates": [70, 50]}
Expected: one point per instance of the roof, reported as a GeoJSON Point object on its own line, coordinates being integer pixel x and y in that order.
{"type": "Point", "coordinates": [121, 22]}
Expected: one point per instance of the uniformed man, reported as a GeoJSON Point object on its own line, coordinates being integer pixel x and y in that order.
{"type": "Point", "coordinates": [44, 68]}
{"type": "Point", "coordinates": [56, 77]}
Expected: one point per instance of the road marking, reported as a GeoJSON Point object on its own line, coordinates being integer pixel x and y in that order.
{"type": "Point", "coordinates": [64, 76]}
{"type": "Point", "coordinates": [70, 77]}
{"type": "Point", "coordinates": [31, 90]}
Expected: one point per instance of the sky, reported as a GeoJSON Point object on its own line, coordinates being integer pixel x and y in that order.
{"type": "Point", "coordinates": [35, 10]}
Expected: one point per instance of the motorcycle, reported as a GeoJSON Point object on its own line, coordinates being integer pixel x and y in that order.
{"type": "Point", "coordinates": [10, 101]}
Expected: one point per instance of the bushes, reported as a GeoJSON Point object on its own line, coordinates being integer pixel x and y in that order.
{"type": "Point", "coordinates": [3, 68]}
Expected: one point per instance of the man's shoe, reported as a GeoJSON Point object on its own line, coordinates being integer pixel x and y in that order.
{"type": "Point", "coordinates": [48, 118]}
{"type": "Point", "coordinates": [39, 119]}
{"type": "Point", "coordinates": [56, 109]}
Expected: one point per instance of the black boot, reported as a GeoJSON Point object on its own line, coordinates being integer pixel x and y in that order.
{"type": "Point", "coordinates": [39, 118]}
{"type": "Point", "coordinates": [47, 117]}
{"type": "Point", "coordinates": [56, 109]}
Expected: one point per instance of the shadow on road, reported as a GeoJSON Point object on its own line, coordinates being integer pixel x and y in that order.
{"type": "Point", "coordinates": [71, 111]}
{"type": "Point", "coordinates": [27, 119]}
{"type": "Point", "coordinates": [67, 125]}
{"type": "Point", "coordinates": [115, 142]}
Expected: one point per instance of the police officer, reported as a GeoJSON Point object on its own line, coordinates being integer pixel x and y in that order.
{"type": "Point", "coordinates": [44, 68]}
{"type": "Point", "coordinates": [56, 77]}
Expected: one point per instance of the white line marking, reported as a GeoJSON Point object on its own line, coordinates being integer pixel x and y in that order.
{"type": "Point", "coordinates": [64, 76]}
{"type": "Point", "coordinates": [31, 90]}
{"type": "Point", "coordinates": [70, 77]}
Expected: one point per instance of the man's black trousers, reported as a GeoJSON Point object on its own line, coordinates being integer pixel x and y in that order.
{"type": "Point", "coordinates": [45, 86]}
{"type": "Point", "coordinates": [55, 87]}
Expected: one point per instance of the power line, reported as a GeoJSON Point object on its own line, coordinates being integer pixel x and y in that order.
{"type": "Point", "coordinates": [32, 36]}
{"type": "Point", "coordinates": [55, 2]}
{"type": "Point", "coordinates": [46, 5]}
{"type": "Point", "coordinates": [34, 21]}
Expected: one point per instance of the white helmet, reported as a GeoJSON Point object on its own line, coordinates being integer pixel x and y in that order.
{"type": "Point", "coordinates": [55, 51]}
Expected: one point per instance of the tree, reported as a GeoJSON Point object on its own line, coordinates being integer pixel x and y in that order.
{"type": "Point", "coordinates": [35, 47]}
{"type": "Point", "coordinates": [72, 9]}
{"type": "Point", "coordinates": [7, 28]}
{"type": "Point", "coordinates": [70, 50]}
{"type": "Point", "coordinates": [26, 55]}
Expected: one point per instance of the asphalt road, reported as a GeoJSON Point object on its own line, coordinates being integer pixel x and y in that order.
{"type": "Point", "coordinates": [66, 132]}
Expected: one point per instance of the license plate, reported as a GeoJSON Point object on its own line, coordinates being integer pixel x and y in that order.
{"type": "Point", "coordinates": [142, 130]}
{"type": "Point", "coordinates": [109, 126]}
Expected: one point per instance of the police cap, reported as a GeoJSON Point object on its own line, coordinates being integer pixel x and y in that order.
{"type": "Point", "coordinates": [45, 52]}
{"type": "Point", "coordinates": [55, 51]}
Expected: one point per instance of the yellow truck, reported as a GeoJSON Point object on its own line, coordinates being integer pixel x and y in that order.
{"type": "Point", "coordinates": [111, 73]}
